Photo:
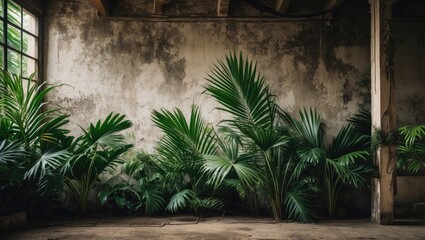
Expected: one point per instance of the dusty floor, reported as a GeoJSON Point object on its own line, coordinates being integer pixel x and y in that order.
{"type": "Point", "coordinates": [213, 228]}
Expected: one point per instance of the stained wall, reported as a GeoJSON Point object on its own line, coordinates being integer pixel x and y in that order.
{"type": "Point", "coordinates": [134, 66]}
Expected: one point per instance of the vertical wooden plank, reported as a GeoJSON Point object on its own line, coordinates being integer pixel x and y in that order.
{"type": "Point", "coordinates": [383, 109]}
{"type": "Point", "coordinates": [282, 5]}
{"type": "Point", "coordinates": [223, 8]}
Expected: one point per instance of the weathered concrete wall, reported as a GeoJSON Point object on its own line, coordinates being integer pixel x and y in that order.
{"type": "Point", "coordinates": [409, 66]}
{"type": "Point", "coordinates": [133, 67]}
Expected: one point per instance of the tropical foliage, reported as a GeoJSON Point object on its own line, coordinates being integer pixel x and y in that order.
{"type": "Point", "coordinates": [411, 149]}
{"type": "Point", "coordinates": [276, 162]}
{"type": "Point", "coordinates": [180, 153]}
{"type": "Point", "coordinates": [138, 186]}
{"type": "Point", "coordinates": [410, 142]}
{"type": "Point", "coordinates": [344, 162]}
{"type": "Point", "coordinates": [97, 150]}
{"type": "Point", "coordinates": [262, 156]}
{"type": "Point", "coordinates": [33, 141]}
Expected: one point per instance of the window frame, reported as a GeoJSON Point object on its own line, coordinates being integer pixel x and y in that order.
{"type": "Point", "coordinates": [25, 6]}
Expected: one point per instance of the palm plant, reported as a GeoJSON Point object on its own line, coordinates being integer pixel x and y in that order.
{"type": "Point", "coordinates": [36, 136]}
{"type": "Point", "coordinates": [11, 154]}
{"type": "Point", "coordinates": [267, 160]}
{"type": "Point", "coordinates": [410, 142]}
{"type": "Point", "coordinates": [97, 150]}
{"type": "Point", "coordinates": [140, 184]}
{"type": "Point", "coordinates": [411, 148]}
{"type": "Point", "coordinates": [343, 163]}
{"type": "Point", "coordinates": [180, 153]}
{"type": "Point", "coordinates": [232, 168]}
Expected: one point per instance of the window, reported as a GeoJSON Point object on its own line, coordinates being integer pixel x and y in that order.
{"type": "Point", "coordinates": [19, 37]}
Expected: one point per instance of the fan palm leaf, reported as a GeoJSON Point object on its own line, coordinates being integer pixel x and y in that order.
{"type": "Point", "coordinates": [230, 159]}
{"type": "Point", "coordinates": [242, 92]}
{"type": "Point", "coordinates": [181, 154]}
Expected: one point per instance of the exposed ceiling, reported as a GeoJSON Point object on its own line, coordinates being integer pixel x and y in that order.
{"type": "Point", "coordinates": [218, 8]}
{"type": "Point", "coordinates": [323, 9]}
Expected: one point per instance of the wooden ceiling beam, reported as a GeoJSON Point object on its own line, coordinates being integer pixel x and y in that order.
{"type": "Point", "coordinates": [332, 4]}
{"type": "Point", "coordinates": [223, 8]}
{"type": "Point", "coordinates": [102, 6]}
{"type": "Point", "coordinates": [157, 5]}
{"type": "Point", "coordinates": [282, 5]}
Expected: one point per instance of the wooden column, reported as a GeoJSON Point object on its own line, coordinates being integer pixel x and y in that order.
{"type": "Point", "coordinates": [383, 109]}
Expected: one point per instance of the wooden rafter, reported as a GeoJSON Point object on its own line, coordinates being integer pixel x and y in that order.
{"type": "Point", "coordinates": [157, 5]}
{"type": "Point", "coordinates": [282, 5]}
{"type": "Point", "coordinates": [102, 6]}
{"type": "Point", "coordinates": [223, 8]}
{"type": "Point", "coordinates": [331, 4]}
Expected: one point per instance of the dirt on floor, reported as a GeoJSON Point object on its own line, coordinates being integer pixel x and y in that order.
{"type": "Point", "coordinates": [211, 228]}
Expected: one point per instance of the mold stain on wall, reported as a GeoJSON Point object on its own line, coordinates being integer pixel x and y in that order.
{"type": "Point", "coordinates": [133, 67]}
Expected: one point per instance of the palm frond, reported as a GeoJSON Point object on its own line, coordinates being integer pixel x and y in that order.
{"type": "Point", "coordinates": [241, 91]}
{"type": "Point", "coordinates": [106, 132]}
{"type": "Point", "coordinates": [352, 174]}
{"type": "Point", "coordinates": [362, 122]}
{"type": "Point", "coordinates": [208, 203]}
{"type": "Point", "coordinates": [299, 204]}
{"type": "Point", "coordinates": [412, 133]}
{"type": "Point", "coordinates": [181, 200]}
{"type": "Point", "coordinates": [348, 140]}
{"type": "Point", "coordinates": [194, 135]}
{"type": "Point", "coordinates": [46, 162]}
{"type": "Point", "coordinates": [312, 127]}
{"type": "Point", "coordinates": [220, 166]}
{"type": "Point", "coordinates": [22, 105]}
{"type": "Point", "coordinates": [153, 199]}
{"type": "Point", "coordinates": [11, 152]}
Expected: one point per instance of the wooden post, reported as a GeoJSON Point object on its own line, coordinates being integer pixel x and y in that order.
{"type": "Point", "coordinates": [383, 110]}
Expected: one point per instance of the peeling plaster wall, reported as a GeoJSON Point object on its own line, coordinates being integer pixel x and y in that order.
{"type": "Point", "coordinates": [134, 67]}
{"type": "Point", "coordinates": [409, 66]}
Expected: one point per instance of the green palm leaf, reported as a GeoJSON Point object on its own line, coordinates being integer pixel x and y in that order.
{"type": "Point", "coordinates": [181, 200]}
{"type": "Point", "coordinates": [241, 92]}
{"type": "Point", "coordinates": [412, 133]}
{"type": "Point", "coordinates": [195, 136]}
{"type": "Point", "coordinates": [106, 133]}
{"type": "Point", "coordinates": [153, 199]}
{"type": "Point", "coordinates": [299, 204]}
{"type": "Point", "coordinates": [220, 166]}
{"type": "Point", "coordinates": [11, 152]}
{"type": "Point", "coordinates": [362, 122]}
{"type": "Point", "coordinates": [46, 162]}
{"type": "Point", "coordinates": [349, 140]}
{"type": "Point", "coordinates": [208, 203]}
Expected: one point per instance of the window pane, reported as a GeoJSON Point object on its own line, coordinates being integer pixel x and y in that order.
{"type": "Point", "coordinates": [1, 8]}
{"type": "Point", "coordinates": [14, 37]}
{"type": "Point", "coordinates": [29, 66]}
{"type": "Point", "coordinates": [1, 32]}
{"type": "Point", "coordinates": [2, 57]}
{"type": "Point", "coordinates": [30, 23]}
{"type": "Point", "coordinates": [13, 61]}
{"type": "Point", "coordinates": [29, 45]}
{"type": "Point", "coordinates": [14, 13]}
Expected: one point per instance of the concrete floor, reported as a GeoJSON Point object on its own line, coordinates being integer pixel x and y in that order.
{"type": "Point", "coordinates": [211, 228]}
